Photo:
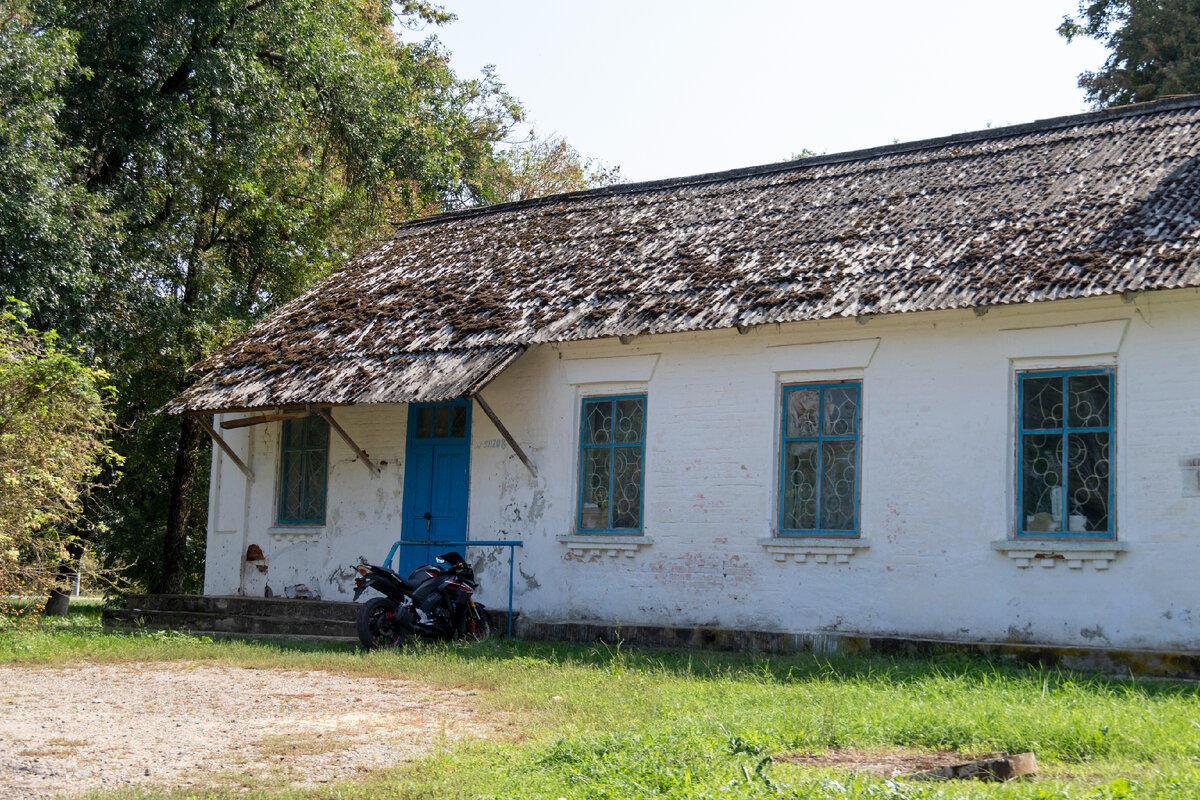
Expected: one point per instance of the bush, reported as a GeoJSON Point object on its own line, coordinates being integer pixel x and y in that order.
{"type": "Point", "coordinates": [55, 418]}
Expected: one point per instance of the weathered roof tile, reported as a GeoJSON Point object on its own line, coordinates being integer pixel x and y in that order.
{"type": "Point", "coordinates": [1078, 206]}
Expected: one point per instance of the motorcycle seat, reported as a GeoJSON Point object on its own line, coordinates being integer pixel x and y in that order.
{"type": "Point", "coordinates": [411, 585]}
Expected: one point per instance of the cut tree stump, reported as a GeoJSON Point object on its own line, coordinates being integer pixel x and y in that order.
{"type": "Point", "coordinates": [1005, 768]}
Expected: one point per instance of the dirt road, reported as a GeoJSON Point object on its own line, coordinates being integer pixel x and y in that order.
{"type": "Point", "coordinates": [71, 729]}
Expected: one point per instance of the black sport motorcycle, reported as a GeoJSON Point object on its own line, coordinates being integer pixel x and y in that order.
{"type": "Point", "coordinates": [435, 601]}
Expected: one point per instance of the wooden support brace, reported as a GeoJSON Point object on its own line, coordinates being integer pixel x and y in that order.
{"type": "Point", "coordinates": [325, 414]}
{"type": "Point", "coordinates": [504, 432]}
{"type": "Point", "coordinates": [224, 445]}
{"type": "Point", "coordinates": [245, 422]}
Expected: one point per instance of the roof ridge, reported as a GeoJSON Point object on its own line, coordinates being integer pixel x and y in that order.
{"type": "Point", "coordinates": [1173, 103]}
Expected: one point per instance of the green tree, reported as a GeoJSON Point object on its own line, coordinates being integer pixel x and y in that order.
{"type": "Point", "coordinates": [243, 148]}
{"type": "Point", "coordinates": [54, 235]}
{"type": "Point", "coordinates": [55, 419]}
{"type": "Point", "coordinates": [1154, 48]}
{"type": "Point", "coordinates": [544, 166]}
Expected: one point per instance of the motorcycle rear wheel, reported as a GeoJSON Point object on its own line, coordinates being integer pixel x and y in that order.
{"type": "Point", "coordinates": [476, 625]}
{"type": "Point", "coordinates": [379, 624]}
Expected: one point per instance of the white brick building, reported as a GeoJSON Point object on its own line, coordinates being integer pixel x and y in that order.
{"type": "Point", "coordinates": [941, 391]}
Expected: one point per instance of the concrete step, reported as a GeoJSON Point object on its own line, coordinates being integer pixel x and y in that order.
{"type": "Point", "coordinates": [257, 617]}
{"type": "Point", "coordinates": [273, 637]}
{"type": "Point", "coordinates": [224, 622]}
{"type": "Point", "coordinates": [254, 606]}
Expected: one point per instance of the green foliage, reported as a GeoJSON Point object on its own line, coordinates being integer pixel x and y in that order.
{"type": "Point", "coordinates": [55, 420]}
{"type": "Point", "coordinates": [176, 169]}
{"type": "Point", "coordinates": [53, 235]}
{"type": "Point", "coordinates": [193, 164]}
{"type": "Point", "coordinates": [545, 166]}
{"type": "Point", "coordinates": [1154, 48]}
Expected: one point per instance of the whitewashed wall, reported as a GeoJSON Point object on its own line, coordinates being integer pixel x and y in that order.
{"type": "Point", "coordinates": [937, 483]}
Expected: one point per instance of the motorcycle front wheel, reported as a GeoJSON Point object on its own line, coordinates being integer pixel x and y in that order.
{"type": "Point", "coordinates": [379, 624]}
{"type": "Point", "coordinates": [476, 625]}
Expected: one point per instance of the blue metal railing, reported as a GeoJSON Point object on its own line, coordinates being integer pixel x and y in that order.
{"type": "Point", "coordinates": [512, 549]}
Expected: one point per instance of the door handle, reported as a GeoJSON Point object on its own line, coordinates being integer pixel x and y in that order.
{"type": "Point", "coordinates": [428, 521]}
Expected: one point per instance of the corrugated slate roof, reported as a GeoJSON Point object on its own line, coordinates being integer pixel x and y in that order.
{"type": "Point", "coordinates": [1094, 204]}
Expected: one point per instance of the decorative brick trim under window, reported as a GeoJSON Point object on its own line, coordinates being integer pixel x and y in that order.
{"type": "Point", "coordinates": [822, 550]}
{"type": "Point", "coordinates": [587, 545]}
{"type": "Point", "coordinates": [292, 535]}
{"type": "Point", "coordinates": [1049, 554]}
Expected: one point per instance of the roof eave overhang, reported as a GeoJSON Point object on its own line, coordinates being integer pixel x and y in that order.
{"type": "Point", "coordinates": [465, 386]}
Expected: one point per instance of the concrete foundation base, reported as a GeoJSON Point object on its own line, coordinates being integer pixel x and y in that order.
{"type": "Point", "coordinates": [1109, 662]}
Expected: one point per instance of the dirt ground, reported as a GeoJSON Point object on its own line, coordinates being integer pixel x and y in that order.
{"type": "Point", "coordinates": [883, 763]}
{"type": "Point", "coordinates": [93, 726]}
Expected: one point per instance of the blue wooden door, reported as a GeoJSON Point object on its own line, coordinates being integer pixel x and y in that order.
{"type": "Point", "coordinates": [436, 477]}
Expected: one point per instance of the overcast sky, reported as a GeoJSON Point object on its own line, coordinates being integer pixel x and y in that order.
{"type": "Point", "coordinates": [667, 88]}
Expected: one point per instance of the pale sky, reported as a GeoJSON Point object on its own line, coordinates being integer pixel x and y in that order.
{"type": "Point", "coordinates": [667, 88]}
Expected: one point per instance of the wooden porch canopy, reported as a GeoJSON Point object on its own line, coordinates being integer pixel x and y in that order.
{"type": "Point", "coordinates": [426, 377]}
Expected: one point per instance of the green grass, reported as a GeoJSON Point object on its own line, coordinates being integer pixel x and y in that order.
{"type": "Point", "coordinates": [606, 722]}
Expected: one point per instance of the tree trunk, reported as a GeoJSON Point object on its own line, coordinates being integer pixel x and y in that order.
{"type": "Point", "coordinates": [59, 600]}
{"type": "Point", "coordinates": [57, 603]}
{"type": "Point", "coordinates": [191, 436]}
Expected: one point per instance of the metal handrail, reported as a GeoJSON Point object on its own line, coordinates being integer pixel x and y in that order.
{"type": "Point", "coordinates": [512, 548]}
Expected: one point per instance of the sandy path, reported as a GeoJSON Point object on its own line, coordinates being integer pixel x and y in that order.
{"type": "Point", "coordinates": [71, 729]}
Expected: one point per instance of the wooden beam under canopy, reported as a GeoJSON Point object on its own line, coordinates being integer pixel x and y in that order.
{"type": "Point", "coordinates": [224, 445]}
{"type": "Point", "coordinates": [508, 437]}
{"type": "Point", "coordinates": [243, 422]}
{"type": "Point", "coordinates": [325, 414]}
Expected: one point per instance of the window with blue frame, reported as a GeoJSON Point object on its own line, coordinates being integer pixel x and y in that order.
{"type": "Point", "coordinates": [612, 452]}
{"type": "Point", "coordinates": [820, 475]}
{"type": "Point", "coordinates": [1065, 475]}
{"type": "Point", "coordinates": [303, 462]}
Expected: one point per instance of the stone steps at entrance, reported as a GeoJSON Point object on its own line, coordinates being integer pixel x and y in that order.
{"type": "Point", "coordinates": [251, 617]}
{"type": "Point", "coordinates": [238, 604]}
{"type": "Point", "coordinates": [258, 617]}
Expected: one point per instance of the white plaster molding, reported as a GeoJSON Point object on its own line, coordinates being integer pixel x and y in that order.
{"type": "Point", "coordinates": [601, 544]}
{"type": "Point", "coordinates": [1058, 341]}
{"type": "Point", "coordinates": [291, 535]}
{"type": "Point", "coordinates": [619, 369]}
{"type": "Point", "coordinates": [821, 549]}
{"type": "Point", "coordinates": [822, 356]}
{"type": "Point", "coordinates": [1048, 553]}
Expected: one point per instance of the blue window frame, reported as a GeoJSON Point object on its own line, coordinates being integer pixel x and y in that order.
{"type": "Point", "coordinates": [305, 453]}
{"type": "Point", "coordinates": [612, 452]}
{"type": "Point", "coordinates": [1065, 445]}
{"type": "Point", "coordinates": [819, 475]}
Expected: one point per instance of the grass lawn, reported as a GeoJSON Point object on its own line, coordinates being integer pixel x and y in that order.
{"type": "Point", "coordinates": [607, 722]}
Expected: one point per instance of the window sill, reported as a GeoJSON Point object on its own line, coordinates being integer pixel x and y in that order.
{"type": "Point", "coordinates": [1049, 553]}
{"type": "Point", "coordinates": [595, 544]}
{"type": "Point", "coordinates": [295, 533]}
{"type": "Point", "coordinates": [821, 549]}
